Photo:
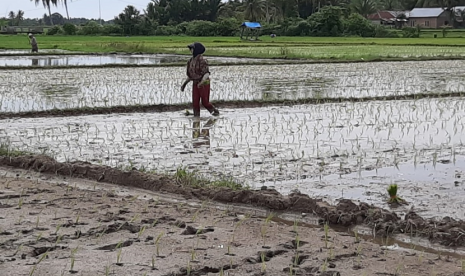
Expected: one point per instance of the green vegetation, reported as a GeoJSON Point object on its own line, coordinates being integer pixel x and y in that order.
{"type": "Point", "coordinates": [6, 150]}
{"type": "Point", "coordinates": [193, 179]}
{"type": "Point", "coordinates": [393, 197]}
{"type": "Point", "coordinates": [346, 48]}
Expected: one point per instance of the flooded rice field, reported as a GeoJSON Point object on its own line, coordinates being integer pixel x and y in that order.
{"type": "Point", "coordinates": [35, 90]}
{"type": "Point", "coordinates": [28, 51]}
{"type": "Point", "coordinates": [352, 150]}
{"type": "Point", "coordinates": [97, 60]}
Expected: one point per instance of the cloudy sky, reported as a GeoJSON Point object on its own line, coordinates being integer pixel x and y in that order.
{"type": "Point", "coordinates": [76, 8]}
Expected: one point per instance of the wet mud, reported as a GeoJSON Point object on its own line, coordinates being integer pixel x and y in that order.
{"type": "Point", "coordinates": [233, 241]}
{"type": "Point", "coordinates": [220, 104]}
{"type": "Point", "coordinates": [445, 231]}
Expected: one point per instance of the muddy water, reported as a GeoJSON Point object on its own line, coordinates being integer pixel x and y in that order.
{"type": "Point", "coordinates": [329, 151]}
{"type": "Point", "coordinates": [81, 60]}
{"type": "Point", "coordinates": [25, 90]}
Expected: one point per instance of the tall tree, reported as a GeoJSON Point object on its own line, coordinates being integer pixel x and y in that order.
{"type": "Point", "coordinates": [363, 7]}
{"type": "Point", "coordinates": [213, 7]}
{"type": "Point", "coordinates": [12, 15]}
{"type": "Point", "coordinates": [389, 5]}
{"type": "Point", "coordinates": [128, 19]}
{"type": "Point", "coordinates": [47, 4]}
{"type": "Point", "coordinates": [254, 9]}
{"type": "Point", "coordinates": [19, 17]}
{"type": "Point", "coordinates": [65, 3]}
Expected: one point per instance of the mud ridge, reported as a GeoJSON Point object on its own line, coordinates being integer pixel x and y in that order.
{"type": "Point", "coordinates": [447, 231]}
{"type": "Point", "coordinates": [220, 104]}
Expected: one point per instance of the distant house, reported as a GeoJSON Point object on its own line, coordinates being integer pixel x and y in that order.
{"type": "Point", "coordinates": [389, 18]}
{"type": "Point", "coordinates": [428, 18]}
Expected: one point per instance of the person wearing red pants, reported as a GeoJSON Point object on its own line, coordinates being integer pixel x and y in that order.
{"type": "Point", "coordinates": [199, 73]}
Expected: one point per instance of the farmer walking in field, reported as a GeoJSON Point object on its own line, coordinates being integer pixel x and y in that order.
{"type": "Point", "coordinates": [33, 42]}
{"type": "Point", "coordinates": [199, 73]}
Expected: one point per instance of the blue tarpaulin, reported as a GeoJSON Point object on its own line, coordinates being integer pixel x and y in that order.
{"type": "Point", "coordinates": [252, 25]}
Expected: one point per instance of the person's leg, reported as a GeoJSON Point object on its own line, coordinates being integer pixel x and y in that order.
{"type": "Point", "coordinates": [205, 96]}
{"type": "Point", "coordinates": [196, 100]}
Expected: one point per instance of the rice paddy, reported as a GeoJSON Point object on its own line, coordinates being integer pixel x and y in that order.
{"type": "Point", "coordinates": [329, 150]}
{"type": "Point", "coordinates": [36, 90]}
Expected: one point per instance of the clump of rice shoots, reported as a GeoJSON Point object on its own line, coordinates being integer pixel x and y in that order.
{"type": "Point", "coordinates": [393, 198]}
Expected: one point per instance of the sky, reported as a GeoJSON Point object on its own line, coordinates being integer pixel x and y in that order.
{"type": "Point", "coordinates": [76, 8]}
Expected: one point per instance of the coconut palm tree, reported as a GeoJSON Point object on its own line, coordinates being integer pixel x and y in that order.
{"type": "Point", "coordinates": [363, 7]}
{"type": "Point", "coordinates": [47, 4]}
{"type": "Point", "coordinates": [65, 3]}
{"type": "Point", "coordinates": [12, 15]}
{"type": "Point", "coordinates": [254, 9]}
{"type": "Point", "coordinates": [19, 17]}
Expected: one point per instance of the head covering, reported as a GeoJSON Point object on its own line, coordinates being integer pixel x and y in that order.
{"type": "Point", "coordinates": [29, 34]}
{"type": "Point", "coordinates": [198, 48]}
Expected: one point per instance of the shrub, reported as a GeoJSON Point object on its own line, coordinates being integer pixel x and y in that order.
{"type": "Point", "coordinates": [381, 31]}
{"type": "Point", "coordinates": [358, 25]}
{"type": "Point", "coordinates": [165, 30]}
{"type": "Point", "coordinates": [227, 27]}
{"type": "Point", "coordinates": [201, 28]}
{"type": "Point", "coordinates": [112, 29]}
{"type": "Point", "coordinates": [92, 28]}
{"type": "Point", "coordinates": [326, 22]}
{"type": "Point", "coordinates": [69, 29]}
{"type": "Point", "coordinates": [55, 30]}
{"type": "Point", "coordinates": [410, 32]}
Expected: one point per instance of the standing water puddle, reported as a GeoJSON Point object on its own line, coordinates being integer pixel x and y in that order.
{"type": "Point", "coordinates": [433, 189]}
{"type": "Point", "coordinates": [96, 60]}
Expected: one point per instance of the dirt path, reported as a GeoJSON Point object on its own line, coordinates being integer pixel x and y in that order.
{"type": "Point", "coordinates": [48, 223]}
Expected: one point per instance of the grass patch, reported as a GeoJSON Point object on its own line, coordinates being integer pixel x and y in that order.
{"type": "Point", "coordinates": [344, 48]}
{"type": "Point", "coordinates": [7, 151]}
{"type": "Point", "coordinates": [193, 179]}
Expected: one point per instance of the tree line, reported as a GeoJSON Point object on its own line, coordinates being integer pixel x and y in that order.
{"type": "Point", "coordinates": [214, 17]}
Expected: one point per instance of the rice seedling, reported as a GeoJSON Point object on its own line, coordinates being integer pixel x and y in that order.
{"type": "Point", "coordinates": [141, 231]}
{"type": "Point", "coordinates": [45, 255]}
{"type": "Point", "coordinates": [119, 253]}
{"type": "Point", "coordinates": [393, 197]}
{"type": "Point", "coordinates": [152, 263]}
{"type": "Point", "coordinates": [20, 202]}
{"type": "Point", "coordinates": [157, 243]}
{"type": "Point", "coordinates": [326, 237]}
{"type": "Point", "coordinates": [73, 258]}
{"type": "Point", "coordinates": [263, 259]}
{"type": "Point", "coordinates": [58, 227]}
{"type": "Point", "coordinates": [188, 268]}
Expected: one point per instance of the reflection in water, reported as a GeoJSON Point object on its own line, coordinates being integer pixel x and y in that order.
{"type": "Point", "coordinates": [79, 60]}
{"type": "Point", "coordinates": [279, 89]}
{"type": "Point", "coordinates": [35, 62]}
{"type": "Point", "coordinates": [201, 136]}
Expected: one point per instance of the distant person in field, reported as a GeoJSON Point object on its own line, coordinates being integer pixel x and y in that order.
{"type": "Point", "coordinates": [33, 42]}
{"type": "Point", "coordinates": [199, 73]}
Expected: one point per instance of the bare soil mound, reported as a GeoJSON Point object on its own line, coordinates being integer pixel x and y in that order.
{"type": "Point", "coordinates": [447, 231]}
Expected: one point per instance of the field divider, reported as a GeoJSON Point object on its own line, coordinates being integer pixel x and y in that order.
{"type": "Point", "coordinates": [220, 104]}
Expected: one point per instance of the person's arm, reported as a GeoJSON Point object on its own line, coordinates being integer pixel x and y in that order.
{"type": "Point", "coordinates": [205, 72]}
{"type": "Point", "coordinates": [184, 84]}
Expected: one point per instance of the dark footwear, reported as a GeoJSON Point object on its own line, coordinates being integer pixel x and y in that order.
{"type": "Point", "coordinates": [215, 112]}
{"type": "Point", "coordinates": [196, 113]}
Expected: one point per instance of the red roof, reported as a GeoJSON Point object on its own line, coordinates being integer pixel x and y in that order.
{"type": "Point", "coordinates": [381, 15]}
